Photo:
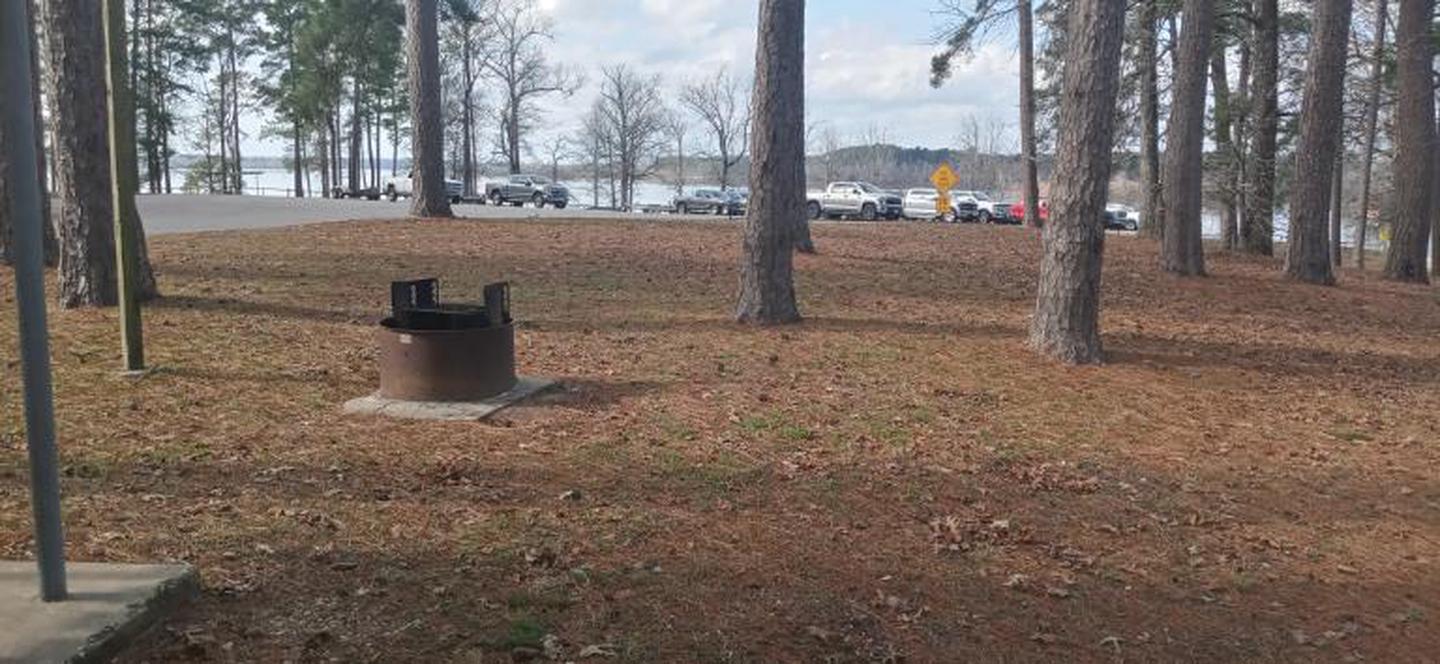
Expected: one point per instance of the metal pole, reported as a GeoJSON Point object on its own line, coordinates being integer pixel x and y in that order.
{"type": "Point", "coordinates": [17, 113]}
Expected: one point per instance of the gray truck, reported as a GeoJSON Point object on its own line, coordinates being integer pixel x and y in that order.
{"type": "Point", "coordinates": [518, 190]}
{"type": "Point", "coordinates": [860, 200]}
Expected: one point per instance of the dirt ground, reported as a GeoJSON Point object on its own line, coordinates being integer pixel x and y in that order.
{"type": "Point", "coordinates": [1251, 478]}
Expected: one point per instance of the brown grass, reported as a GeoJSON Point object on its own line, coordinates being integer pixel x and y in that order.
{"type": "Point", "coordinates": [1251, 478]}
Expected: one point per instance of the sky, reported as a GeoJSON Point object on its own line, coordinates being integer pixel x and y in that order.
{"type": "Point", "coordinates": [867, 62]}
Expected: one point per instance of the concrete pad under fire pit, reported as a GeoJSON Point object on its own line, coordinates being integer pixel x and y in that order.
{"type": "Point", "coordinates": [109, 606]}
{"type": "Point", "coordinates": [472, 411]}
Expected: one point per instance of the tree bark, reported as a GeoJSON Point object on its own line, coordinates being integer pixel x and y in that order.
{"type": "Point", "coordinates": [1414, 163]}
{"type": "Point", "coordinates": [1066, 326]}
{"type": "Point", "coordinates": [1153, 214]}
{"type": "Point", "coordinates": [1183, 251]}
{"type": "Point", "coordinates": [1308, 251]}
{"type": "Point", "coordinates": [297, 158]}
{"type": "Point", "coordinates": [50, 246]}
{"type": "Point", "coordinates": [804, 241]}
{"type": "Point", "coordinates": [352, 174]}
{"type": "Point", "coordinates": [1372, 129]}
{"type": "Point", "coordinates": [236, 162]}
{"type": "Point", "coordinates": [467, 114]}
{"type": "Point", "coordinates": [77, 108]}
{"type": "Point", "coordinates": [777, 168]}
{"type": "Point", "coordinates": [1435, 207]}
{"type": "Point", "coordinates": [428, 142]}
{"type": "Point", "coordinates": [1337, 209]}
{"type": "Point", "coordinates": [1030, 182]}
{"type": "Point", "coordinates": [1224, 148]}
{"type": "Point", "coordinates": [512, 134]}
{"type": "Point", "coordinates": [1257, 234]}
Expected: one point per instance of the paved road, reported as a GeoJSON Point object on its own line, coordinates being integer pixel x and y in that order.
{"type": "Point", "coordinates": [185, 214]}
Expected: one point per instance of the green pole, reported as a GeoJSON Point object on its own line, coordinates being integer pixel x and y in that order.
{"type": "Point", "coordinates": [122, 192]}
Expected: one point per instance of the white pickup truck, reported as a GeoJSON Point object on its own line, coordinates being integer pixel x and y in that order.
{"type": "Point", "coordinates": [854, 199]}
{"type": "Point", "coordinates": [987, 210]}
{"type": "Point", "coordinates": [398, 187]}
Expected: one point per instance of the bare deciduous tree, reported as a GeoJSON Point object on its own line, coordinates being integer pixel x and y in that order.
{"type": "Point", "coordinates": [555, 149]}
{"type": "Point", "coordinates": [678, 129]}
{"type": "Point", "coordinates": [777, 168]}
{"type": "Point", "coordinates": [467, 33]}
{"type": "Point", "coordinates": [594, 142]}
{"type": "Point", "coordinates": [1067, 310]}
{"type": "Point", "coordinates": [515, 58]}
{"type": "Point", "coordinates": [724, 108]}
{"type": "Point", "coordinates": [633, 119]}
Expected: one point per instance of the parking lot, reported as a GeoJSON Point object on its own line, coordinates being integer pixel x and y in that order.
{"type": "Point", "coordinates": [186, 214]}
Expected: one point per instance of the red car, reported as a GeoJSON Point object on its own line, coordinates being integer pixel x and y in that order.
{"type": "Point", "coordinates": [1017, 211]}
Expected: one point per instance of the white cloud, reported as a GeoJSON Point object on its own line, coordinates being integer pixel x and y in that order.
{"type": "Point", "coordinates": [861, 73]}
{"type": "Point", "coordinates": [867, 64]}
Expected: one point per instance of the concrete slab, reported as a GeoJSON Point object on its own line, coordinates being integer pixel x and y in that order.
{"type": "Point", "coordinates": [473, 411]}
{"type": "Point", "coordinates": [109, 606]}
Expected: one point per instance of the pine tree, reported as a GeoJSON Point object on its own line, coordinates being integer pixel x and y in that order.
{"type": "Point", "coordinates": [777, 167]}
{"type": "Point", "coordinates": [428, 144]}
{"type": "Point", "coordinates": [1066, 325]}
{"type": "Point", "coordinates": [1183, 251]}
{"type": "Point", "coordinates": [1410, 209]}
{"type": "Point", "coordinates": [1308, 256]}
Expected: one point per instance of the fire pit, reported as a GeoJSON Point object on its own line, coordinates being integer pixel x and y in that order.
{"type": "Point", "coordinates": [446, 360]}
{"type": "Point", "coordinates": [446, 352]}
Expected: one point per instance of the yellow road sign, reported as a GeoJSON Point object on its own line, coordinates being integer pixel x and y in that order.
{"type": "Point", "coordinates": [942, 203]}
{"type": "Point", "coordinates": [944, 178]}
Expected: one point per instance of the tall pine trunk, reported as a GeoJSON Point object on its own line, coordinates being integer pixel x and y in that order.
{"type": "Point", "coordinates": [323, 147]}
{"type": "Point", "coordinates": [297, 158]}
{"type": "Point", "coordinates": [41, 167]}
{"type": "Point", "coordinates": [1030, 181]}
{"type": "Point", "coordinates": [1067, 310]}
{"type": "Point", "coordinates": [1183, 251]}
{"type": "Point", "coordinates": [467, 114]}
{"type": "Point", "coordinates": [777, 167]}
{"type": "Point", "coordinates": [428, 139]}
{"type": "Point", "coordinates": [1257, 233]}
{"type": "Point", "coordinates": [352, 175]}
{"type": "Point", "coordinates": [1308, 251]}
{"type": "Point", "coordinates": [236, 162]}
{"type": "Point", "coordinates": [1224, 148]}
{"type": "Point", "coordinates": [1435, 208]}
{"type": "Point", "coordinates": [77, 110]}
{"type": "Point", "coordinates": [1372, 129]}
{"type": "Point", "coordinates": [1414, 141]}
{"type": "Point", "coordinates": [1152, 212]}
{"type": "Point", "coordinates": [1337, 208]}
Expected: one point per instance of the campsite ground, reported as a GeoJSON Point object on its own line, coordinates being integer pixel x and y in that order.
{"type": "Point", "coordinates": [1252, 476]}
